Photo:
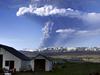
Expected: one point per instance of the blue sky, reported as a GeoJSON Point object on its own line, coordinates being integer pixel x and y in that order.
{"type": "Point", "coordinates": [49, 23]}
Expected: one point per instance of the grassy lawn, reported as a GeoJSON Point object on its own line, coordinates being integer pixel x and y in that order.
{"type": "Point", "coordinates": [70, 69]}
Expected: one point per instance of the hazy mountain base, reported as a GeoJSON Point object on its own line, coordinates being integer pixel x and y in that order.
{"type": "Point", "coordinates": [79, 58]}
{"type": "Point", "coordinates": [86, 56]}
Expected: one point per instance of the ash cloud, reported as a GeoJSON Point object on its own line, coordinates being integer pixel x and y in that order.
{"type": "Point", "coordinates": [47, 31]}
{"type": "Point", "coordinates": [77, 24]}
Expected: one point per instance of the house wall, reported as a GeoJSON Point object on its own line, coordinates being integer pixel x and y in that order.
{"type": "Point", "coordinates": [8, 56]}
{"type": "Point", "coordinates": [48, 64]}
{"type": "Point", "coordinates": [32, 65]}
{"type": "Point", "coordinates": [25, 66]}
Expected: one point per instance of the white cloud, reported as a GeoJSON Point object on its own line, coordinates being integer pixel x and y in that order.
{"type": "Point", "coordinates": [62, 32]}
{"type": "Point", "coordinates": [82, 32]}
{"type": "Point", "coordinates": [65, 30]}
{"type": "Point", "coordinates": [65, 34]}
{"type": "Point", "coordinates": [88, 33]}
{"type": "Point", "coordinates": [24, 10]}
{"type": "Point", "coordinates": [47, 10]}
{"type": "Point", "coordinates": [92, 18]}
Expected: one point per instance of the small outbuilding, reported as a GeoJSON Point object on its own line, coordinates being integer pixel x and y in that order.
{"type": "Point", "coordinates": [41, 63]}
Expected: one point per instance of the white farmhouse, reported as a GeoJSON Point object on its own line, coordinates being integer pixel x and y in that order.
{"type": "Point", "coordinates": [11, 58]}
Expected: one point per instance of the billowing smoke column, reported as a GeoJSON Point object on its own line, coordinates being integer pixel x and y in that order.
{"type": "Point", "coordinates": [47, 31]}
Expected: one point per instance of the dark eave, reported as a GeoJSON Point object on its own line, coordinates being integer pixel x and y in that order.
{"type": "Point", "coordinates": [14, 52]}
{"type": "Point", "coordinates": [48, 58]}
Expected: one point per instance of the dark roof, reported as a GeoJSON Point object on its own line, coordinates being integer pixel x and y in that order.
{"type": "Point", "coordinates": [33, 55]}
{"type": "Point", "coordinates": [29, 53]}
{"type": "Point", "coordinates": [14, 52]}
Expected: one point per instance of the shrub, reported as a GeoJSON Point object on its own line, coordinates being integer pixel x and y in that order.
{"type": "Point", "coordinates": [1, 70]}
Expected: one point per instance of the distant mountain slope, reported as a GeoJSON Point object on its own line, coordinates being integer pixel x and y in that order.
{"type": "Point", "coordinates": [29, 53]}
{"type": "Point", "coordinates": [51, 53]}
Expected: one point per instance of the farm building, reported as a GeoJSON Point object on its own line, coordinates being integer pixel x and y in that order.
{"type": "Point", "coordinates": [11, 58]}
{"type": "Point", "coordinates": [41, 63]}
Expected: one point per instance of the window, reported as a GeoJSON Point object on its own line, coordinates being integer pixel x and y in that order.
{"type": "Point", "coordinates": [10, 64]}
{"type": "Point", "coordinates": [7, 63]}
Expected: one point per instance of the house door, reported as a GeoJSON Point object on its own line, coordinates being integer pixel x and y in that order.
{"type": "Point", "coordinates": [39, 65]}
{"type": "Point", "coordinates": [1, 60]}
{"type": "Point", "coordinates": [11, 66]}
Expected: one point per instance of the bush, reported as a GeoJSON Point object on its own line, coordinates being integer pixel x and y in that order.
{"type": "Point", "coordinates": [1, 70]}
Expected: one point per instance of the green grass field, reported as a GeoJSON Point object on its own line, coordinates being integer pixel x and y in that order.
{"type": "Point", "coordinates": [70, 69]}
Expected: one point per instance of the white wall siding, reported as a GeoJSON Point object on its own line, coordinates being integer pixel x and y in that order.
{"type": "Point", "coordinates": [8, 56]}
{"type": "Point", "coordinates": [32, 65]}
{"type": "Point", "coordinates": [25, 65]}
{"type": "Point", "coordinates": [48, 65]}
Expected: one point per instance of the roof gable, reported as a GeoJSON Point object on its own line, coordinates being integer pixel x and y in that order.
{"type": "Point", "coordinates": [14, 52]}
{"type": "Point", "coordinates": [48, 58]}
